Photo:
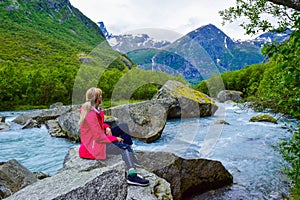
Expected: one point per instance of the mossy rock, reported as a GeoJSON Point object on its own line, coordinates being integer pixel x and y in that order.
{"type": "Point", "coordinates": [263, 118]}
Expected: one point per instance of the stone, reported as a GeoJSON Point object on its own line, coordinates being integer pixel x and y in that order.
{"type": "Point", "coordinates": [188, 102]}
{"type": "Point", "coordinates": [158, 188]}
{"type": "Point", "coordinates": [94, 179]}
{"type": "Point", "coordinates": [222, 122]}
{"type": "Point", "coordinates": [31, 123]}
{"type": "Point", "coordinates": [227, 95]}
{"type": "Point", "coordinates": [13, 177]}
{"type": "Point", "coordinates": [56, 105]}
{"type": "Point", "coordinates": [186, 176]}
{"type": "Point", "coordinates": [146, 120]}
{"type": "Point", "coordinates": [4, 126]}
{"type": "Point", "coordinates": [69, 124]}
{"type": "Point", "coordinates": [41, 175]}
{"type": "Point", "coordinates": [101, 183]}
{"type": "Point", "coordinates": [54, 129]}
{"type": "Point", "coordinates": [41, 116]}
{"type": "Point", "coordinates": [2, 119]}
{"type": "Point", "coordinates": [263, 118]}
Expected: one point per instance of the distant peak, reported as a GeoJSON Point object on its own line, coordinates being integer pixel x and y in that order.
{"type": "Point", "coordinates": [208, 26]}
{"type": "Point", "coordinates": [103, 29]}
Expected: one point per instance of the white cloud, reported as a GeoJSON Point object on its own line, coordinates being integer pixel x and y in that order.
{"type": "Point", "coordinates": [182, 16]}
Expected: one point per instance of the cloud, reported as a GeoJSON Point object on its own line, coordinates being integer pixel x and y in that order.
{"type": "Point", "coordinates": [181, 16]}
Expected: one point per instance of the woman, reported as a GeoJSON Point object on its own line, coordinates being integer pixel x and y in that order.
{"type": "Point", "coordinates": [94, 143]}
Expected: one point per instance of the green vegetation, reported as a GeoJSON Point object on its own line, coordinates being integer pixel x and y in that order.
{"type": "Point", "coordinates": [49, 49]}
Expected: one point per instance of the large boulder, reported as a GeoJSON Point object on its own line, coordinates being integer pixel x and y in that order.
{"type": "Point", "coordinates": [13, 177]}
{"type": "Point", "coordinates": [146, 120]}
{"type": "Point", "coordinates": [68, 122]}
{"type": "Point", "coordinates": [186, 176]}
{"type": "Point", "coordinates": [158, 188]}
{"type": "Point", "coordinates": [226, 95]}
{"type": "Point", "coordinates": [188, 102]}
{"type": "Point", "coordinates": [94, 179]}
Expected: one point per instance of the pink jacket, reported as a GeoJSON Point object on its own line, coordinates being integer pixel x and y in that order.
{"type": "Point", "coordinates": [92, 137]}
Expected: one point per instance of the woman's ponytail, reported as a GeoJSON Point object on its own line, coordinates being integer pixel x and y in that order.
{"type": "Point", "coordinates": [86, 107]}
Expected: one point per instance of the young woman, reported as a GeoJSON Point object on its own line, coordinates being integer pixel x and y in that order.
{"type": "Point", "coordinates": [97, 138]}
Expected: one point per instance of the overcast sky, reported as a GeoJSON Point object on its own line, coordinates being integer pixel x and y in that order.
{"type": "Point", "coordinates": [177, 16]}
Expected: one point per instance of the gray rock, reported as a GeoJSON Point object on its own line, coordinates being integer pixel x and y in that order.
{"type": "Point", "coordinates": [186, 176]}
{"type": "Point", "coordinates": [2, 119]}
{"type": "Point", "coordinates": [146, 120]}
{"type": "Point", "coordinates": [69, 124]}
{"type": "Point", "coordinates": [101, 183]}
{"type": "Point", "coordinates": [226, 95]}
{"type": "Point", "coordinates": [13, 177]}
{"type": "Point", "coordinates": [31, 123]}
{"type": "Point", "coordinates": [55, 129]}
{"type": "Point", "coordinates": [3, 126]}
{"type": "Point", "coordinates": [94, 179]}
{"type": "Point", "coordinates": [40, 116]}
{"type": "Point", "coordinates": [188, 102]}
{"type": "Point", "coordinates": [56, 105]}
{"type": "Point", "coordinates": [158, 188]}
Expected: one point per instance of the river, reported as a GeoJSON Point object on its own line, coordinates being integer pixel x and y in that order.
{"type": "Point", "coordinates": [243, 147]}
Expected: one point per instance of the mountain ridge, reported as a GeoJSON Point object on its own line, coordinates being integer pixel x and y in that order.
{"type": "Point", "coordinates": [220, 52]}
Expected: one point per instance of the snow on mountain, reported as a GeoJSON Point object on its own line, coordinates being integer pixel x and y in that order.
{"type": "Point", "coordinates": [130, 42]}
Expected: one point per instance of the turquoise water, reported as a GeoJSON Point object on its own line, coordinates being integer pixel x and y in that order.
{"type": "Point", "coordinates": [243, 147]}
{"type": "Point", "coordinates": [33, 148]}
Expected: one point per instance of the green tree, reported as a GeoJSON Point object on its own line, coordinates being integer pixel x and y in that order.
{"type": "Point", "coordinates": [260, 12]}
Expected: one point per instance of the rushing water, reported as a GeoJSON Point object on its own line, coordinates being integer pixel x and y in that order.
{"type": "Point", "coordinates": [243, 147]}
{"type": "Point", "coordinates": [34, 148]}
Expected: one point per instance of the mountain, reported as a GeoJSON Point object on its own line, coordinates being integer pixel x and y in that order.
{"type": "Point", "coordinates": [200, 54]}
{"type": "Point", "coordinates": [129, 42]}
{"type": "Point", "coordinates": [270, 37]}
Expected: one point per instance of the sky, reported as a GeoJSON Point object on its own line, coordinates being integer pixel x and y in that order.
{"type": "Point", "coordinates": [164, 19]}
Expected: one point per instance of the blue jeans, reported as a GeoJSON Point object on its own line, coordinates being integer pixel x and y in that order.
{"type": "Point", "coordinates": [122, 130]}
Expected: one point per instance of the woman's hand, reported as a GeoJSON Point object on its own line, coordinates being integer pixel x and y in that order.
{"type": "Point", "coordinates": [108, 131]}
{"type": "Point", "coordinates": [120, 139]}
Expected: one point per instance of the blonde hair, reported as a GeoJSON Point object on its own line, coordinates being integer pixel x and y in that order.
{"type": "Point", "coordinates": [91, 96]}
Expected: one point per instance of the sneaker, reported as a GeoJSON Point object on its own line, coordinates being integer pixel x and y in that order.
{"type": "Point", "coordinates": [137, 180]}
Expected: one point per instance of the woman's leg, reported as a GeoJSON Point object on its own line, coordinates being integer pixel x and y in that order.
{"type": "Point", "coordinates": [122, 130]}
{"type": "Point", "coordinates": [124, 150]}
